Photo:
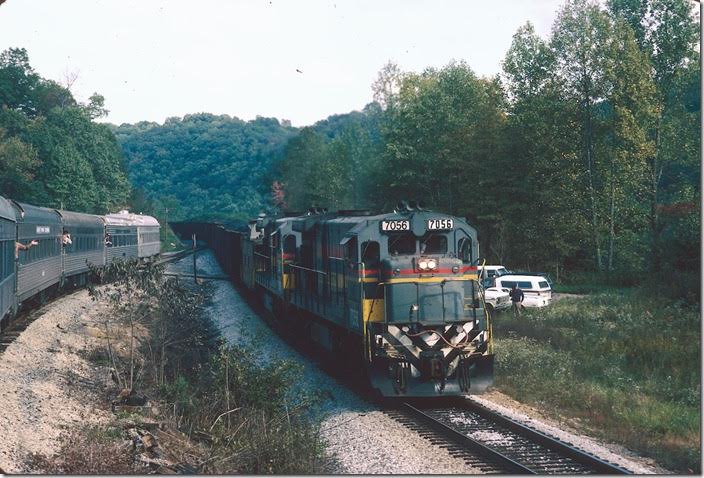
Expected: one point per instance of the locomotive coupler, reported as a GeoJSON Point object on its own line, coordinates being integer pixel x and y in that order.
{"type": "Point", "coordinates": [432, 364]}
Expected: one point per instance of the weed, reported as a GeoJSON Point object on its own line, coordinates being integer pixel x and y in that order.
{"type": "Point", "coordinates": [91, 451]}
{"type": "Point", "coordinates": [626, 364]}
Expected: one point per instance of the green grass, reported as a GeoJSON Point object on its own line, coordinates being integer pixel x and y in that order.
{"type": "Point", "coordinates": [169, 241]}
{"type": "Point", "coordinates": [588, 288]}
{"type": "Point", "coordinates": [627, 367]}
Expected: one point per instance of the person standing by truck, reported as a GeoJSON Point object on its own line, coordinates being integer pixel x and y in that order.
{"type": "Point", "coordinates": [517, 297]}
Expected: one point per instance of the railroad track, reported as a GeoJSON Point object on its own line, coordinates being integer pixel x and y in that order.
{"type": "Point", "coordinates": [495, 443]}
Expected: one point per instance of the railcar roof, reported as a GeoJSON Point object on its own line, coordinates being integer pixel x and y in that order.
{"type": "Point", "coordinates": [76, 219]}
{"type": "Point", "coordinates": [6, 210]}
{"type": "Point", "coordinates": [518, 277]}
{"type": "Point", "coordinates": [29, 213]}
{"type": "Point", "coordinates": [125, 218]}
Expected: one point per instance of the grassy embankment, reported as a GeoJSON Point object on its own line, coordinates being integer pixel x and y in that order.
{"type": "Point", "coordinates": [625, 364]}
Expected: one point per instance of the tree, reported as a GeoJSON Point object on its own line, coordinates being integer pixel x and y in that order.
{"type": "Point", "coordinates": [43, 125]}
{"type": "Point", "coordinates": [542, 170]}
{"type": "Point", "coordinates": [17, 81]}
{"type": "Point", "coordinates": [18, 163]}
{"type": "Point", "coordinates": [667, 33]}
{"type": "Point", "coordinates": [580, 40]}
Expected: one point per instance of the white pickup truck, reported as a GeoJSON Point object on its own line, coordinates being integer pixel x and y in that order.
{"type": "Point", "coordinates": [497, 298]}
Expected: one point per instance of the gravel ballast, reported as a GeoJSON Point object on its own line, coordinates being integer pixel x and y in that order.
{"type": "Point", "coordinates": [47, 388]}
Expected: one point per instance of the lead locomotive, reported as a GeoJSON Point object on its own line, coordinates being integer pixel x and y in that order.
{"type": "Point", "coordinates": [398, 290]}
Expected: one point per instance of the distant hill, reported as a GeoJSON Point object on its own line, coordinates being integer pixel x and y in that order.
{"type": "Point", "coordinates": [205, 165]}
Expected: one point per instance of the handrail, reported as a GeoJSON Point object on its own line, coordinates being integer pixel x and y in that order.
{"type": "Point", "coordinates": [307, 269]}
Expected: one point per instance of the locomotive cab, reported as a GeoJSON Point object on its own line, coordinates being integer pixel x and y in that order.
{"type": "Point", "coordinates": [426, 327]}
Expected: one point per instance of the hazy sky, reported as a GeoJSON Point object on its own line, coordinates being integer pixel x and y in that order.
{"type": "Point", "coordinates": [155, 59]}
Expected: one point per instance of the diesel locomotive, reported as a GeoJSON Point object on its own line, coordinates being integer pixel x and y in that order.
{"type": "Point", "coordinates": [399, 291]}
{"type": "Point", "coordinates": [64, 244]}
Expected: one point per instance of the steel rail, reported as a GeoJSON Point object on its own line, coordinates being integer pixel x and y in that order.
{"type": "Point", "coordinates": [500, 459]}
{"type": "Point", "coordinates": [580, 456]}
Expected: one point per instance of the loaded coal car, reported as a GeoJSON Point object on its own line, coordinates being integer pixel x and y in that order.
{"type": "Point", "coordinates": [397, 290]}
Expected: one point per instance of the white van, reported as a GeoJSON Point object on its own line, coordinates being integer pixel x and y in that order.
{"type": "Point", "coordinates": [492, 271]}
{"type": "Point", "coordinates": [536, 290]}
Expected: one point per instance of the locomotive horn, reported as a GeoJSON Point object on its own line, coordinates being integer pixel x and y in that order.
{"type": "Point", "coordinates": [401, 206]}
{"type": "Point", "coordinates": [421, 205]}
{"type": "Point", "coordinates": [412, 205]}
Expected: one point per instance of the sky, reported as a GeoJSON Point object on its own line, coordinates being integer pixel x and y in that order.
{"type": "Point", "coordinates": [300, 60]}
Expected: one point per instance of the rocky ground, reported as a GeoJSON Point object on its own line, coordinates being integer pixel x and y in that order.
{"type": "Point", "coordinates": [50, 390]}
{"type": "Point", "coordinates": [48, 387]}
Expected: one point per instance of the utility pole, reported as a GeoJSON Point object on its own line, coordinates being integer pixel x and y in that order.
{"type": "Point", "coordinates": [195, 273]}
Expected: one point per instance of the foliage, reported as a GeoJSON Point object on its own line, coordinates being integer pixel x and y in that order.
{"type": "Point", "coordinates": [625, 363]}
{"type": "Point", "coordinates": [582, 156]}
{"type": "Point", "coordinates": [203, 164]}
{"type": "Point", "coordinates": [256, 421]}
{"type": "Point", "coordinates": [52, 153]}
{"type": "Point", "coordinates": [333, 163]}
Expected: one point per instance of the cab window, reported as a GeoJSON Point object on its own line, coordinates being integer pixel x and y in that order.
{"type": "Point", "coordinates": [403, 243]}
{"type": "Point", "coordinates": [351, 251]}
{"type": "Point", "coordinates": [370, 254]}
{"type": "Point", "coordinates": [464, 248]}
{"type": "Point", "coordinates": [433, 244]}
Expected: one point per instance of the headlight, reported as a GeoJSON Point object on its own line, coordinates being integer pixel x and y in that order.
{"type": "Point", "coordinates": [432, 264]}
{"type": "Point", "coordinates": [423, 264]}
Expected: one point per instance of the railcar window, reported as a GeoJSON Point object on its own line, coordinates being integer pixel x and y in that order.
{"type": "Point", "coordinates": [403, 243]}
{"type": "Point", "coordinates": [46, 248]}
{"type": "Point", "coordinates": [433, 244]}
{"type": "Point", "coordinates": [7, 257]}
{"type": "Point", "coordinates": [464, 248]}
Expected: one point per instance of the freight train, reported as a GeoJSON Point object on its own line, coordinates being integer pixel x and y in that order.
{"type": "Point", "coordinates": [399, 291]}
{"type": "Point", "coordinates": [43, 249]}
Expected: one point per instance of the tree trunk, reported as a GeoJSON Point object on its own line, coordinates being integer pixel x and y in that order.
{"type": "Point", "coordinates": [590, 174]}
{"type": "Point", "coordinates": [655, 174]}
{"type": "Point", "coordinates": [612, 214]}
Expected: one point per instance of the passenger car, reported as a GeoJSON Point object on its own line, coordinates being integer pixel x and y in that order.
{"type": "Point", "coordinates": [64, 245]}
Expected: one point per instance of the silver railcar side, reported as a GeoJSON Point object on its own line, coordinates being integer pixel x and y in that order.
{"type": "Point", "coordinates": [8, 233]}
{"type": "Point", "coordinates": [39, 267]}
{"type": "Point", "coordinates": [87, 243]}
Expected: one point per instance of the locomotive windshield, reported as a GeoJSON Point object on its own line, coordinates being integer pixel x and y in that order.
{"type": "Point", "coordinates": [402, 243]}
{"type": "Point", "coordinates": [433, 243]}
